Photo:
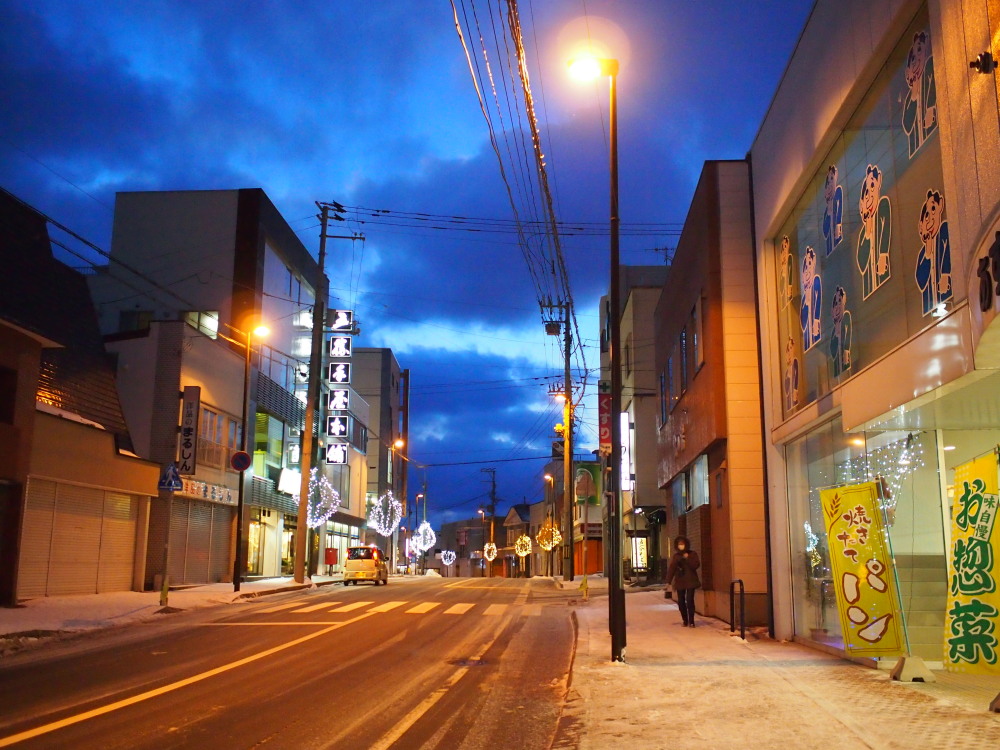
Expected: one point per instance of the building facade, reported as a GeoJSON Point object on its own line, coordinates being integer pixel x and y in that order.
{"type": "Point", "coordinates": [710, 456]}
{"type": "Point", "coordinates": [191, 274]}
{"type": "Point", "coordinates": [877, 215]}
{"type": "Point", "coordinates": [74, 497]}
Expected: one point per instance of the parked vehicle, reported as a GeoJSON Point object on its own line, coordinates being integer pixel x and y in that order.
{"type": "Point", "coordinates": [365, 564]}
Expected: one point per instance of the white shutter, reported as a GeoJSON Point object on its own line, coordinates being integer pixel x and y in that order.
{"type": "Point", "coordinates": [76, 540]}
{"type": "Point", "coordinates": [117, 542]}
{"type": "Point", "coordinates": [221, 565]}
{"type": "Point", "coordinates": [36, 538]}
{"type": "Point", "coordinates": [198, 542]}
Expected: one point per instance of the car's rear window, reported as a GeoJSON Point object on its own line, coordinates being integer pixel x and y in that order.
{"type": "Point", "coordinates": [361, 553]}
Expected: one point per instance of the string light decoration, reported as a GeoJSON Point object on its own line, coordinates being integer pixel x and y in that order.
{"type": "Point", "coordinates": [490, 551]}
{"type": "Point", "coordinates": [894, 463]}
{"type": "Point", "coordinates": [385, 514]}
{"type": "Point", "coordinates": [812, 547]}
{"type": "Point", "coordinates": [522, 547]}
{"type": "Point", "coordinates": [448, 557]}
{"type": "Point", "coordinates": [424, 537]}
{"type": "Point", "coordinates": [324, 500]}
{"type": "Point", "coordinates": [548, 537]}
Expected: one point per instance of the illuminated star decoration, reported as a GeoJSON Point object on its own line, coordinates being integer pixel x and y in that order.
{"type": "Point", "coordinates": [490, 551]}
{"type": "Point", "coordinates": [425, 537]}
{"type": "Point", "coordinates": [385, 514]}
{"type": "Point", "coordinates": [548, 537]}
{"type": "Point", "coordinates": [324, 500]}
{"type": "Point", "coordinates": [448, 557]}
{"type": "Point", "coordinates": [522, 547]}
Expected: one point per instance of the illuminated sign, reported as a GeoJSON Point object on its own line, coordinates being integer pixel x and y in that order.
{"type": "Point", "coordinates": [336, 453]}
{"type": "Point", "coordinates": [342, 321]}
{"type": "Point", "coordinates": [336, 426]}
{"type": "Point", "coordinates": [340, 399]}
{"type": "Point", "coordinates": [340, 373]}
{"type": "Point", "coordinates": [340, 346]}
{"type": "Point", "coordinates": [187, 464]}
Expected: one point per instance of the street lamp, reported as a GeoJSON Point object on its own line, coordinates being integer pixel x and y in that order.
{"type": "Point", "coordinates": [239, 563]}
{"type": "Point", "coordinates": [589, 68]}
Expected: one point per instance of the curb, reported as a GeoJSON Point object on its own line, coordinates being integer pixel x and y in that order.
{"type": "Point", "coordinates": [266, 592]}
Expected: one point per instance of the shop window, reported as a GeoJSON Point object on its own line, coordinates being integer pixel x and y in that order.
{"type": "Point", "coordinates": [684, 359]}
{"type": "Point", "coordinates": [134, 320]}
{"type": "Point", "coordinates": [218, 438]}
{"type": "Point", "coordinates": [699, 483]}
{"type": "Point", "coordinates": [698, 354]}
{"type": "Point", "coordinates": [679, 494]}
{"type": "Point", "coordinates": [206, 322]}
{"type": "Point", "coordinates": [671, 391]}
{"type": "Point", "coordinates": [663, 399]}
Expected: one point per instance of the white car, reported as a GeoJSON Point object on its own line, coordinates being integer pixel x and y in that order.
{"type": "Point", "coordinates": [365, 564]}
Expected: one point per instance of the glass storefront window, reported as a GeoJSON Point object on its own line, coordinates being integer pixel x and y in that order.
{"type": "Point", "coordinates": [906, 462]}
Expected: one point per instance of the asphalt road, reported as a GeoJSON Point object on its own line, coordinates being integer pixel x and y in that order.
{"type": "Point", "coordinates": [420, 663]}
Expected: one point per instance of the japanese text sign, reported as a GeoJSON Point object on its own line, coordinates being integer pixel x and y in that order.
{"type": "Point", "coordinates": [970, 641]}
{"type": "Point", "coordinates": [863, 576]}
{"type": "Point", "coordinates": [187, 462]}
{"type": "Point", "coordinates": [604, 421]}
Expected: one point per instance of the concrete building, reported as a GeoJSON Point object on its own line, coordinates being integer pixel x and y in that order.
{"type": "Point", "coordinates": [74, 498]}
{"type": "Point", "coordinates": [877, 210]}
{"type": "Point", "coordinates": [191, 274]}
{"type": "Point", "coordinates": [709, 437]}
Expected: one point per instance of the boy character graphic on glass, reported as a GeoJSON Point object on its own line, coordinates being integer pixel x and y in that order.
{"type": "Point", "coordinates": [876, 232]}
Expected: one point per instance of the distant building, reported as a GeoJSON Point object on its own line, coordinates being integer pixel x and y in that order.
{"type": "Point", "coordinates": [211, 265]}
{"type": "Point", "coordinates": [74, 498]}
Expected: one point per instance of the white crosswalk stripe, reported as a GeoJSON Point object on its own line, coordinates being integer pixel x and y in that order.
{"type": "Point", "coordinates": [313, 607]}
{"type": "Point", "coordinates": [458, 609]}
{"type": "Point", "coordinates": [422, 608]}
{"type": "Point", "coordinates": [387, 606]}
{"type": "Point", "coordinates": [351, 607]}
{"type": "Point", "coordinates": [279, 607]}
{"type": "Point", "coordinates": [495, 609]}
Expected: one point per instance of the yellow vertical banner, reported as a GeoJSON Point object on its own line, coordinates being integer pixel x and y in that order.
{"type": "Point", "coordinates": [970, 641]}
{"type": "Point", "coordinates": [863, 576]}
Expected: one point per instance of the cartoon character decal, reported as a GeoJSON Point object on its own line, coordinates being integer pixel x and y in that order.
{"type": "Point", "coordinates": [840, 337]}
{"type": "Point", "coordinates": [786, 269]}
{"type": "Point", "coordinates": [920, 106]}
{"type": "Point", "coordinates": [876, 232]}
{"type": "Point", "coordinates": [791, 384]}
{"type": "Point", "coordinates": [933, 270]}
{"type": "Point", "coordinates": [812, 300]}
{"type": "Point", "coordinates": [833, 214]}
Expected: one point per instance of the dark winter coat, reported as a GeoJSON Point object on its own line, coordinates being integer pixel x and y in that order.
{"type": "Point", "coordinates": [683, 570]}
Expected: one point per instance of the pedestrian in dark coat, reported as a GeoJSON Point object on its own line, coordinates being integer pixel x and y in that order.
{"type": "Point", "coordinates": [682, 575]}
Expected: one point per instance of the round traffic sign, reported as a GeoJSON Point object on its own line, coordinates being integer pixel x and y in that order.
{"type": "Point", "coordinates": [241, 461]}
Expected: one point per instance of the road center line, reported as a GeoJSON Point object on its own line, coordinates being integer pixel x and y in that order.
{"type": "Point", "coordinates": [70, 720]}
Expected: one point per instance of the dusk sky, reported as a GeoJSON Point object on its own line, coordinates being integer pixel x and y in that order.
{"type": "Point", "coordinates": [371, 104]}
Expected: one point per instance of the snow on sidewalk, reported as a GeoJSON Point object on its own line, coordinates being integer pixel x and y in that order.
{"type": "Point", "coordinates": [703, 688]}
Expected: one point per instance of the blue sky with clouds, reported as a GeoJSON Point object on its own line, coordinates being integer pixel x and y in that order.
{"type": "Point", "coordinates": [371, 104]}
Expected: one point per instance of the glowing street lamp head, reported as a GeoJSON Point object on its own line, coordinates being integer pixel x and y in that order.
{"type": "Point", "coordinates": [587, 68]}
{"type": "Point", "coordinates": [547, 477]}
{"type": "Point", "coordinates": [398, 443]}
{"type": "Point", "coordinates": [261, 331]}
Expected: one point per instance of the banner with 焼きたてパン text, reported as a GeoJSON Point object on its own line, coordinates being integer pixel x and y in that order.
{"type": "Point", "coordinates": [970, 641]}
{"type": "Point", "coordinates": [863, 577]}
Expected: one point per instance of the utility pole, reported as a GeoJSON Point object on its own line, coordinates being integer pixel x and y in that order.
{"type": "Point", "coordinates": [492, 508]}
{"type": "Point", "coordinates": [405, 451]}
{"type": "Point", "coordinates": [553, 327]}
{"type": "Point", "coordinates": [308, 451]}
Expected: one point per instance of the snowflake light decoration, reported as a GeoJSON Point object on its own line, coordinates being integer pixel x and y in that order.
{"type": "Point", "coordinates": [324, 500]}
{"type": "Point", "coordinates": [385, 514]}
{"type": "Point", "coordinates": [490, 551]}
{"type": "Point", "coordinates": [424, 537]}
{"type": "Point", "coordinates": [548, 537]}
{"type": "Point", "coordinates": [522, 547]}
{"type": "Point", "coordinates": [448, 557]}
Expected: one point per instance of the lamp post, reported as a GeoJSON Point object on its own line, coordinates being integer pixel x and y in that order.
{"type": "Point", "coordinates": [482, 533]}
{"type": "Point", "coordinates": [239, 563]}
{"type": "Point", "coordinates": [591, 68]}
{"type": "Point", "coordinates": [550, 488]}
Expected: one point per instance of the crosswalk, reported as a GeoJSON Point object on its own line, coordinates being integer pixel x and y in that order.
{"type": "Point", "coordinates": [407, 607]}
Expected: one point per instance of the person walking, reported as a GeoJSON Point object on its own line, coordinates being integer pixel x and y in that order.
{"type": "Point", "coordinates": [682, 575]}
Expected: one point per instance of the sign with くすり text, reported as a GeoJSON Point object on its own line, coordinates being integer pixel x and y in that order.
{"type": "Point", "coordinates": [970, 641]}
{"type": "Point", "coordinates": [863, 576]}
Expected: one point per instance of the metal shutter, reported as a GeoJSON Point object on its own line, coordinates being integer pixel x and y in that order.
{"type": "Point", "coordinates": [199, 538]}
{"type": "Point", "coordinates": [117, 542]}
{"type": "Point", "coordinates": [221, 565]}
{"type": "Point", "coordinates": [178, 538]}
{"type": "Point", "coordinates": [76, 540]}
{"type": "Point", "coordinates": [36, 538]}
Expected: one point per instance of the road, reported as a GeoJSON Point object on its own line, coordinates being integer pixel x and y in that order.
{"type": "Point", "coordinates": [420, 663]}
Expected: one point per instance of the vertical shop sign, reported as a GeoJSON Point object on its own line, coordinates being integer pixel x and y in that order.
{"type": "Point", "coordinates": [970, 639]}
{"type": "Point", "coordinates": [864, 580]}
{"type": "Point", "coordinates": [604, 416]}
{"type": "Point", "coordinates": [187, 463]}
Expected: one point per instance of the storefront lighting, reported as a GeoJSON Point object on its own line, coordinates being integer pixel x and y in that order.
{"type": "Point", "coordinates": [949, 448]}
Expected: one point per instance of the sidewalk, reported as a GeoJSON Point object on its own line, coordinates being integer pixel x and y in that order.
{"type": "Point", "coordinates": [704, 688]}
{"type": "Point", "coordinates": [46, 617]}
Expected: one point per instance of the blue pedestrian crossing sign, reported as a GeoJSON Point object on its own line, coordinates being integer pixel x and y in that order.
{"type": "Point", "coordinates": [170, 480]}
